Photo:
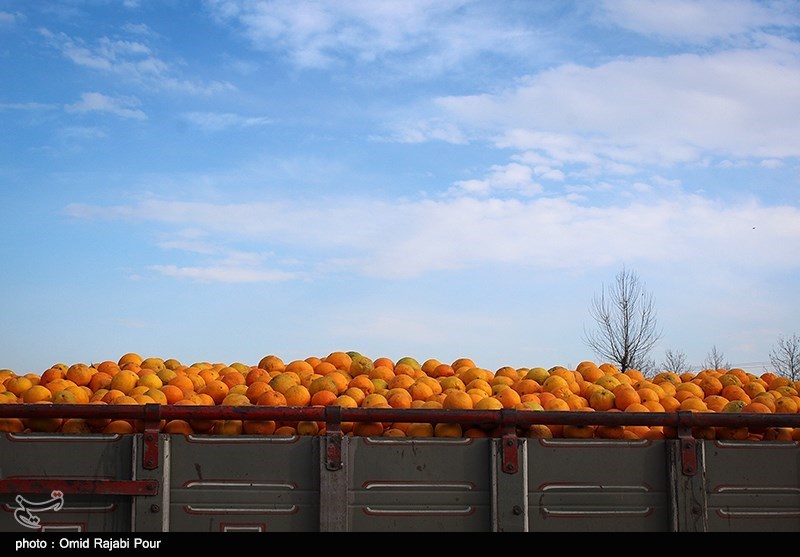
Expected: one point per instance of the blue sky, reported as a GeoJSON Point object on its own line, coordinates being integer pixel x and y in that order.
{"type": "Point", "coordinates": [224, 179]}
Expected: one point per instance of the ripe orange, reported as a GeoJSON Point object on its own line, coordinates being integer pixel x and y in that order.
{"type": "Point", "coordinates": [119, 427]}
{"type": "Point", "coordinates": [340, 360]}
{"type": "Point", "coordinates": [624, 396]}
{"type": "Point", "coordinates": [37, 393]}
{"type": "Point", "coordinates": [297, 395]}
{"type": "Point", "coordinates": [420, 429]}
{"type": "Point", "coordinates": [271, 363]}
{"type": "Point", "coordinates": [602, 400]}
{"type": "Point", "coordinates": [271, 398]}
{"type": "Point", "coordinates": [458, 400]}
{"type": "Point", "coordinates": [323, 398]}
{"type": "Point", "coordinates": [216, 389]}
{"type": "Point", "coordinates": [178, 427]}
{"type": "Point", "coordinates": [124, 381]}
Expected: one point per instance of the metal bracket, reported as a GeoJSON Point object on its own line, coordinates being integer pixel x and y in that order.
{"type": "Point", "coordinates": [510, 454]}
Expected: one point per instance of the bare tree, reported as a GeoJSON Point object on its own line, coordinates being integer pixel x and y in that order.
{"type": "Point", "coordinates": [675, 362]}
{"type": "Point", "coordinates": [715, 360]}
{"type": "Point", "coordinates": [785, 357]}
{"type": "Point", "coordinates": [626, 323]}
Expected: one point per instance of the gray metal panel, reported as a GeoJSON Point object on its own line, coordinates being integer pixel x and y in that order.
{"type": "Point", "coordinates": [419, 484]}
{"type": "Point", "coordinates": [53, 456]}
{"type": "Point", "coordinates": [753, 486]}
{"type": "Point", "coordinates": [597, 485]}
{"type": "Point", "coordinates": [244, 483]}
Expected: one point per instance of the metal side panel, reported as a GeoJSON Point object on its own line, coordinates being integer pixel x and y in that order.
{"type": "Point", "coordinates": [419, 485]}
{"type": "Point", "coordinates": [244, 483]}
{"type": "Point", "coordinates": [753, 486]}
{"type": "Point", "coordinates": [597, 485]}
{"type": "Point", "coordinates": [71, 466]}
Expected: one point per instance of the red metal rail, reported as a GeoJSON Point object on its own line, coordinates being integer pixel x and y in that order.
{"type": "Point", "coordinates": [152, 414]}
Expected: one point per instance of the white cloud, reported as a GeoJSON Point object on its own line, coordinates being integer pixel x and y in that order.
{"type": "Point", "coordinates": [221, 273]}
{"type": "Point", "coordinates": [514, 177]}
{"type": "Point", "coordinates": [620, 115]}
{"type": "Point", "coordinates": [325, 32]}
{"type": "Point", "coordinates": [97, 102]}
{"type": "Point", "coordinates": [693, 21]}
{"type": "Point", "coordinates": [130, 60]}
{"type": "Point", "coordinates": [458, 233]}
{"type": "Point", "coordinates": [27, 106]}
{"type": "Point", "coordinates": [8, 18]}
{"type": "Point", "coordinates": [216, 121]}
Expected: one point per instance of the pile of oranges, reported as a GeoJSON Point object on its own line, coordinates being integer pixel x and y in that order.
{"type": "Point", "coordinates": [350, 379]}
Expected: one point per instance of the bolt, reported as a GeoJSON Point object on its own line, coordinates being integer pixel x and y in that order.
{"type": "Point", "coordinates": [154, 508]}
{"type": "Point", "coordinates": [517, 510]}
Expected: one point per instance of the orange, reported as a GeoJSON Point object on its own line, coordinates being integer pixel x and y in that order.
{"type": "Point", "coordinates": [508, 398]}
{"type": "Point", "coordinates": [216, 389]}
{"type": "Point", "coordinates": [172, 393]}
{"type": "Point", "coordinates": [130, 358]}
{"type": "Point", "coordinates": [786, 405]}
{"type": "Point", "coordinates": [256, 389]}
{"type": "Point", "coordinates": [693, 404]}
{"type": "Point", "coordinates": [735, 392]}
{"type": "Point", "coordinates": [324, 383]}
{"type": "Point", "coordinates": [358, 395]}
{"type": "Point", "coordinates": [488, 403]}
{"type": "Point", "coordinates": [420, 391]}
{"type": "Point", "coordinates": [341, 379]}
{"type": "Point", "coordinates": [235, 399]}
{"type": "Point", "coordinates": [715, 403]}
{"type": "Point", "coordinates": [100, 380]}
{"type": "Point", "coordinates": [259, 427]}
{"type": "Point", "coordinates": [610, 432]}
{"type": "Point", "coordinates": [178, 427]}
{"type": "Point", "coordinates": [283, 380]}
{"type": "Point", "coordinates": [254, 374]}
{"type": "Point", "coordinates": [556, 404]}
{"type": "Point", "coordinates": [232, 378]}
{"type": "Point", "coordinates": [228, 427]}
{"type": "Point", "coordinates": [297, 395]}
{"type": "Point", "coordinates": [340, 360]}
{"type": "Point", "coordinates": [602, 400]}
{"type": "Point", "coordinates": [420, 429]}
{"type": "Point", "coordinates": [458, 400]}
{"type": "Point", "coordinates": [323, 398]}
{"type": "Point", "coordinates": [64, 396]}
{"type": "Point", "coordinates": [285, 431]}
{"type": "Point", "coordinates": [124, 381]}
{"type": "Point", "coordinates": [271, 363]}
{"type": "Point", "coordinates": [624, 396]}
{"type": "Point", "coordinates": [37, 393]}
{"type": "Point", "coordinates": [272, 398]}
{"type": "Point", "coordinates": [18, 385]}
{"type": "Point", "coordinates": [49, 375]}
{"type": "Point", "coordinates": [119, 427]}
{"type": "Point", "coordinates": [402, 381]}
{"type": "Point", "coordinates": [448, 430]}
{"type": "Point", "coordinates": [400, 398]}
{"type": "Point", "coordinates": [75, 425]}
{"type": "Point", "coordinates": [368, 429]}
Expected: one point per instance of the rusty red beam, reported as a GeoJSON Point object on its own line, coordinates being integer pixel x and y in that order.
{"type": "Point", "coordinates": [152, 414]}
{"type": "Point", "coordinates": [79, 486]}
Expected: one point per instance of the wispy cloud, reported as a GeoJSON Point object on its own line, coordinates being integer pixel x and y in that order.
{"type": "Point", "coordinates": [28, 106]}
{"type": "Point", "coordinates": [9, 18]}
{"type": "Point", "coordinates": [97, 102]}
{"type": "Point", "coordinates": [515, 178]}
{"type": "Point", "coordinates": [427, 35]}
{"type": "Point", "coordinates": [132, 60]}
{"type": "Point", "coordinates": [458, 233]}
{"type": "Point", "coordinates": [618, 116]}
{"type": "Point", "coordinates": [216, 121]}
{"type": "Point", "coordinates": [698, 22]}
